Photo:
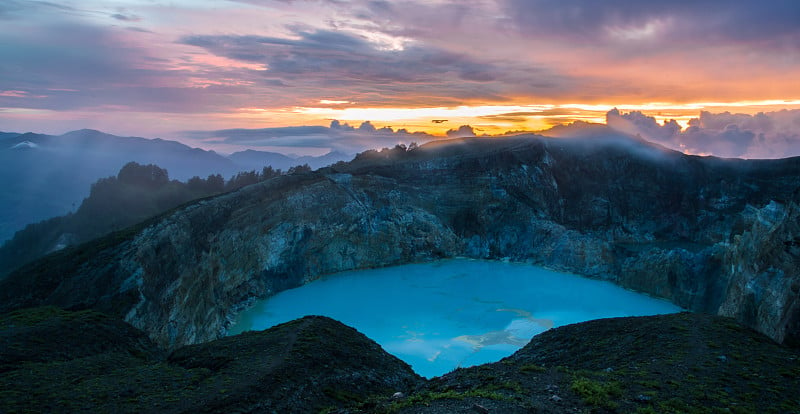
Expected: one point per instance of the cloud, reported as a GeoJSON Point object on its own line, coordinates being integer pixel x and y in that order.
{"type": "Point", "coordinates": [554, 114]}
{"type": "Point", "coordinates": [348, 64]}
{"type": "Point", "coordinates": [339, 136]}
{"type": "Point", "coordinates": [637, 123]}
{"type": "Point", "coordinates": [126, 18]}
{"type": "Point", "coordinates": [15, 9]}
{"type": "Point", "coordinates": [13, 94]}
{"type": "Point", "coordinates": [70, 66]}
{"type": "Point", "coordinates": [462, 131]}
{"type": "Point", "coordinates": [226, 58]}
{"type": "Point", "coordinates": [712, 21]}
{"type": "Point", "coordinates": [763, 135]}
{"type": "Point", "coordinates": [67, 56]}
{"type": "Point", "coordinates": [658, 51]}
{"type": "Point", "coordinates": [327, 55]}
{"type": "Point", "coordinates": [9, 8]}
{"type": "Point", "coordinates": [428, 20]}
{"type": "Point", "coordinates": [730, 142]}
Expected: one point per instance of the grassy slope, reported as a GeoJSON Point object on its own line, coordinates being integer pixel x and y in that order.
{"type": "Point", "coordinates": [58, 361]}
{"type": "Point", "coordinates": [683, 363]}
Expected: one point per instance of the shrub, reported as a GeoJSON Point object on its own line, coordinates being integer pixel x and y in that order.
{"type": "Point", "coordinates": [600, 394]}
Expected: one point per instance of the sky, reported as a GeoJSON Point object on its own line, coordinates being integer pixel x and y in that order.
{"type": "Point", "coordinates": [195, 70]}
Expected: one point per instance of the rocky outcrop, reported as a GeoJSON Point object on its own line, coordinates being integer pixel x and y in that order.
{"type": "Point", "coordinates": [697, 231]}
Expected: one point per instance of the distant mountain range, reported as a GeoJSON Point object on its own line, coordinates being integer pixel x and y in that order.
{"type": "Point", "coordinates": [45, 175]}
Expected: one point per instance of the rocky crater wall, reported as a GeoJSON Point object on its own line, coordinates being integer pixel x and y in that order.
{"type": "Point", "coordinates": [711, 235]}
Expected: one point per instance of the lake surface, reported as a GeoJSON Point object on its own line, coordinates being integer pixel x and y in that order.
{"type": "Point", "coordinates": [452, 313]}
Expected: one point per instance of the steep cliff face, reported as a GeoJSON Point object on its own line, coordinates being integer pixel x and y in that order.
{"type": "Point", "coordinates": [762, 265]}
{"type": "Point", "coordinates": [265, 239]}
{"type": "Point", "coordinates": [697, 231]}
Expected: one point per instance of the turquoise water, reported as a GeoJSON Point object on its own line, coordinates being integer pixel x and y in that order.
{"type": "Point", "coordinates": [452, 313]}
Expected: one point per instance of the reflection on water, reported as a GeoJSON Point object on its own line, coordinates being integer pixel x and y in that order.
{"type": "Point", "coordinates": [453, 313]}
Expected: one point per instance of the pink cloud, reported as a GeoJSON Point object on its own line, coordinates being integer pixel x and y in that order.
{"type": "Point", "coordinates": [14, 94]}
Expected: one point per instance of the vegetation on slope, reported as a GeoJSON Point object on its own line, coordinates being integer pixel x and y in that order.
{"type": "Point", "coordinates": [681, 363]}
{"type": "Point", "coordinates": [59, 361]}
{"type": "Point", "coordinates": [137, 193]}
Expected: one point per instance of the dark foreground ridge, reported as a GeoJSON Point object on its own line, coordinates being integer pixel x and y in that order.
{"type": "Point", "coordinates": [60, 361]}
{"type": "Point", "coordinates": [711, 235]}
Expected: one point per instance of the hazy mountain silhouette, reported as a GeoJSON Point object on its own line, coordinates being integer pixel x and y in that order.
{"type": "Point", "coordinates": [46, 175]}
{"type": "Point", "coordinates": [256, 160]}
{"type": "Point", "coordinates": [324, 160]}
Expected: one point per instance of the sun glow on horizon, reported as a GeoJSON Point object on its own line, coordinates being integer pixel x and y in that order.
{"type": "Point", "coordinates": [496, 119]}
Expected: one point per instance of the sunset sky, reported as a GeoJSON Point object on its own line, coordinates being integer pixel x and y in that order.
{"type": "Point", "coordinates": [173, 69]}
